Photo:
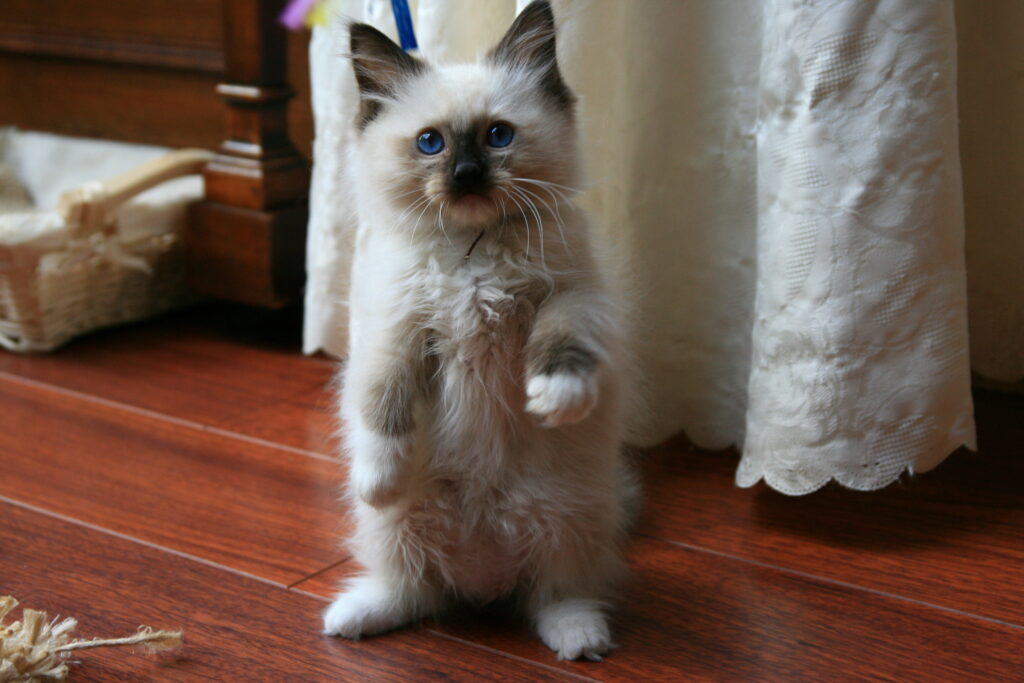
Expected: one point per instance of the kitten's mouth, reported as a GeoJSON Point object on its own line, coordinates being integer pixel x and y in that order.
{"type": "Point", "coordinates": [472, 209]}
{"type": "Point", "coordinates": [471, 201]}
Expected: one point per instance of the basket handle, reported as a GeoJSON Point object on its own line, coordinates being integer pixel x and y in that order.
{"type": "Point", "coordinates": [86, 209]}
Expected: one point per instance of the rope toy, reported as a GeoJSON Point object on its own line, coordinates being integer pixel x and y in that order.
{"type": "Point", "coordinates": [33, 650]}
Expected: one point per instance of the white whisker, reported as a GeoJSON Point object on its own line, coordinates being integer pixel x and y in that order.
{"type": "Point", "coordinates": [557, 196]}
{"type": "Point", "coordinates": [415, 205]}
{"type": "Point", "coordinates": [536, 215]}
{"type": "Point", "coordinates": [554, 194]}
{"type": "Point", "coordinates": [565, 188]}
{"type": "Point", "coordinates": [418, 219]}
{"type": "Point", "coordinates": [440, 219]}
{"type": "Point", "coordinates": [525, 222]}
{"type": "Point", "coordinates": [406, 194]}
{"type": "Point", "coordinates": [553, 212]}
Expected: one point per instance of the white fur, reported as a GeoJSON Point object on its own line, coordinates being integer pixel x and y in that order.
{"type": "Point", "coordinates": [574, 629]}
{"type": "Point", "coordinates": [508, 483]}
{"type": "Point", "coordinates": [380, 477]}
{"type": "Point", "coordinates": [561, 398]}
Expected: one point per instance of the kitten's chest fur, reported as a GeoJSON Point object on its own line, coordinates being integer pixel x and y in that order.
{"type": "Point", "coordinates": [479, 311]}
{"type": "Point", "coordinates": [480, 315]}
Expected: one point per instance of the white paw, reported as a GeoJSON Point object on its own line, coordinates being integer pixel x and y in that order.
{"type": "Point", "coordinates": [379, 467]}
{"type": "Point", "coordinates": [364, 609]}
{"type": "Point", "coordinates": [561, 398]}
{"type": "Point", "coordinates": [574, 629]}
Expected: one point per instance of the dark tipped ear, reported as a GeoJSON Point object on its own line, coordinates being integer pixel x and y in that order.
{"type": "Point", "coordinates": [530, 43]}
{"type": "Point", "coordinates": [380, 67]}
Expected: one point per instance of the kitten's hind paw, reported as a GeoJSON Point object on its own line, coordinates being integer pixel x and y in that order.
{"type": "Point", "coordinates": [575, 629]}
{"type": "Point", "coordinates": [366, 608]}
{"type": "Point", "coordinates": [561, 398]}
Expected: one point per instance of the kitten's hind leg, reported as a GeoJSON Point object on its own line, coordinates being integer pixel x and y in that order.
{"type": "Point", "coordinates": [567, 599]}
{"type": "Point", "coordinates": [370, 605]}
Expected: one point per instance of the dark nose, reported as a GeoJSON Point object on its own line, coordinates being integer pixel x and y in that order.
{"type": "Point", "coordinates": [468, 175]}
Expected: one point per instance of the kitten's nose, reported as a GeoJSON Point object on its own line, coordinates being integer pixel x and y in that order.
{"type": "Point", "coordinates": [468, 175]}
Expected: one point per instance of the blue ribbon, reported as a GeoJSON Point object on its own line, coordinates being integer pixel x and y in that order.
{"type": "Point", "coordinates": [403, 19]}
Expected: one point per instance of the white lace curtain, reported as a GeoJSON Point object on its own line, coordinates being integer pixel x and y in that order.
{"type": "Point", "coordinates": [777, 185]}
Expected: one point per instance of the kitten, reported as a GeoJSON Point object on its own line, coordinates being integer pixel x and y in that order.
{"type": "Point", "coordinates": [482, 398]}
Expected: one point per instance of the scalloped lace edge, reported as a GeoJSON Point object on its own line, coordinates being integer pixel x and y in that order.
{"type": "Point", "coordinates": [778, 481]}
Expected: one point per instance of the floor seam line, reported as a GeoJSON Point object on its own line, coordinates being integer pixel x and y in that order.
{"type": "Point", "coordinates": [163, 417]}
{"type": "Point", "coordinates": [509, 655]}
{"type": "Point", "coordinates": [831, 581]}
{"type": "Point", "coordinates": [318, 572]}
{"type": "Point", "coordinates": [139, 541]}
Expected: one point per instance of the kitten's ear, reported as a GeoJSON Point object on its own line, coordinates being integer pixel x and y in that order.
{"type": "Point", "coordinates": [380, 67]}
{"type": "Point", "coordinates": [530, 43]}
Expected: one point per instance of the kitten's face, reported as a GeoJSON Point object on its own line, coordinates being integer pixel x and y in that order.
{"type": "Point", "coordinates": [473, 145]}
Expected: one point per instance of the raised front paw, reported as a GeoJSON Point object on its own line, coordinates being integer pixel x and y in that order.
{"type": "Point", "coordinates": [379, 467]}
{"type": "Point", "coordinates": [561, 398]}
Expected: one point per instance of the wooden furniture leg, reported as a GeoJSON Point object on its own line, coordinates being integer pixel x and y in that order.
{"type": "Point", "coordinates": [246, 240]}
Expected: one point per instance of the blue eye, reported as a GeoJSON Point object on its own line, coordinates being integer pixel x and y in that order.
{"type": "Point", "coordinates": [500, 135]}
{"type": "Point", "coordinates": [430, 142]}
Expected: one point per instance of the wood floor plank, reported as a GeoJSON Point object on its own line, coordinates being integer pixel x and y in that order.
{"type": "Point", "coordinates": [236, 628]}
{"type": "Point", "coordinates": [269, 512]}
{"type": "Point", "coordinates": [953, 537]}
{"type": "Point", "coordinates": [689, 615]}
{"type": "Point", "coordinates": [225, 367]}
{"type": "Point", "coordinates": [922, 581]}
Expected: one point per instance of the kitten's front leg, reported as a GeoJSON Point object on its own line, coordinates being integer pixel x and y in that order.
{"type": "Point", "coordinates": [563, 392]}
{"type": "Point", "coordinates": [381, 389]}
{"type": "Point", "coordinates": [563, 356]}
{"type": "Point", "coordinates": [379, 465]}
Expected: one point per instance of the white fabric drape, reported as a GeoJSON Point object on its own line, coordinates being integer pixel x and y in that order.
{"type": "Point", "coordinates": [777, 188]}
{"type": "Point", "coordinates": [860, 363]}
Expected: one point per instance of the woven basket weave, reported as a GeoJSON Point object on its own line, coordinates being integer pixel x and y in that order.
{"type": "Point", "coordinates": [69, 271]}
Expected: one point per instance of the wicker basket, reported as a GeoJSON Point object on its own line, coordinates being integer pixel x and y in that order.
{"type": "Point", "coordinates": [69, 271]}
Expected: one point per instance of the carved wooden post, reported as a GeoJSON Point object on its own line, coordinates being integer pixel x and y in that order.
{"type": "Point", "coordinates": [247, 239]}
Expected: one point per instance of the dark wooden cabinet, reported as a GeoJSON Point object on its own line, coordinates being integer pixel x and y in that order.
{"type": "Point", "coordinates": [218, 74]}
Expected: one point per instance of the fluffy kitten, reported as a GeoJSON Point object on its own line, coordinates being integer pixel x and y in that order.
{"type": "Point", "coordinates": [482, 399]}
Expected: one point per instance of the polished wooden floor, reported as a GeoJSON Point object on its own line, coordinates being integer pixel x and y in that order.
{"type": "Point", "coordinates": [180, 473]}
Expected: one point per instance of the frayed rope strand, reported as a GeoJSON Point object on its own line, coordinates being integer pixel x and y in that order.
{"type": "Point", "coordinates": [33, 649]}
{"type": "Point", "coordinates": [154, 640]}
